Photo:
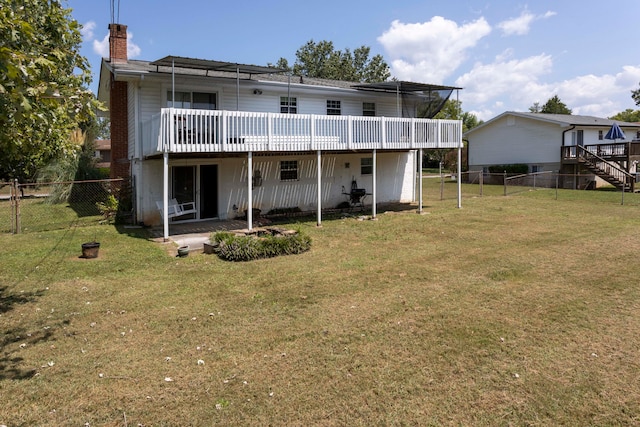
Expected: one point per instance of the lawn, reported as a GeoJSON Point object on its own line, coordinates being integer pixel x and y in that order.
{"type": "Point", "coordinates": [519, 310]}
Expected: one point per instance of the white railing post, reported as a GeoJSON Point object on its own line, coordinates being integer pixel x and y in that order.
{"type": "Point", "coordinates": [350, 131]}
{"type": "Point", "coordinates": [312, 131]}
{"type": "Point", "coordinates": [270, 118]}
{"type": "Point", "coordinates": [412, 133]}
{"type": "Point", "coordinates": [383, 131]}
{"type": "Point", "coordinates": [223, 130]}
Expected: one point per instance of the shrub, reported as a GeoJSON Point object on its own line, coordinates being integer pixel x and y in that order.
{"type": "Point", "coordinates": [246, 248]}
{"type": "Point", "coordinates": [518, 168]}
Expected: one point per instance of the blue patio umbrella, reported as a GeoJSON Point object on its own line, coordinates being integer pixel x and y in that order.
{"type": "Point", "coordinates": [615, 132]}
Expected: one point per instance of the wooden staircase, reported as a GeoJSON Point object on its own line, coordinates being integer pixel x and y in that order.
{"type": "Point", "coordinates": [608, 170]}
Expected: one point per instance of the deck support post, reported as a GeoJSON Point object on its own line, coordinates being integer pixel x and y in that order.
{"type": "Point", "coordinates": [420, 180]}
{"type": "Point", "coordinates": [249, 191]}
{"type": "Point", "coordinates": [165, 195]}
{"type": "Point", "coordinates": [460, 176]}
{"type": "Point", "coordinates": [375, 190]}
{"type": "Point", "coordinates": [319, 160]}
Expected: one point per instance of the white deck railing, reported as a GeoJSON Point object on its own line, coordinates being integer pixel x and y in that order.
{"type": "Point", "coordinates": [203, 131]}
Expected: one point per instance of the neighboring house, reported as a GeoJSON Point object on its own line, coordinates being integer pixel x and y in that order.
{"type": "Point", "coordinates": [103, 153]}
{"type": "Point", "coordinates": [223, 138]}
{"type": "Point", "coordinates": [561, 143]}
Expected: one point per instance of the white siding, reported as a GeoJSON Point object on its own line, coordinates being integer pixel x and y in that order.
{"type": "Point", "coordinates": [509, 141]}
{"type": "Point", "coordinates": [394, 182]}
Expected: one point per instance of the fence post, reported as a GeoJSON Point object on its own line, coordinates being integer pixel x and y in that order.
{"type": "Point", "coordinates": [17, 206]}
{"type": "Point", "coordinates": [13, 204]}
{"type": "Point", "coordinates": [556, 187]}
{"type": "Point", "coordinates": [441, 186]}
{"type": "Point", "coordinates": [504, 179]}
{"type": "Point", "coordinates": [481, 181]}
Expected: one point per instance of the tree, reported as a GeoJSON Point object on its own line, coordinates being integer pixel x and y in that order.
{"type": "Point", "coordinates": [552, 106]}
{"type": "Point", "coordinates": [635, 94]}
{"type": "Point", "coordinates": [452, 110]}
{"type": "Point", "coordinates": [43, 85]}
{"type": "Point", "coordinates": [323, 61]}
{"type": "Point", "coordinates": [628, 115]}
{"type": "Point", "coordinates": [535, 108]}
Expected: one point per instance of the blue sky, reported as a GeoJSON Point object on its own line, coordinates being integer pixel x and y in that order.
{"type": "Point", "coordinates": [505, 54]}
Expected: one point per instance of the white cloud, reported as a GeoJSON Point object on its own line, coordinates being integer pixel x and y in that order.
{"type": "Point", "coordinates": [488, 86]}
{"type": "Point", "coordinates": [516, 79]}
{"type": "Point", "coordinates": [133, 50]}
{"type": "Point", "coordinates": [522, 24]}
{"type": "Point", "coordinates": [101, 47]}
{"type": "Point", "coordinates": [430, 51]}
{"type": "Point", "coordinates": [87, 30]}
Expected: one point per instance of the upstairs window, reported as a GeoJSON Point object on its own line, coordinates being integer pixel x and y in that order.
{"type": "Point", "coordinates": [600, 136]}
{"type": "Point", "coordinates": [288, 105]}
{"type": "Point", "coordinates": [289, 170]}
{"type": "Point", "coordinates": [369, 109]}
{"type": "Point", "coordinates": [333, 108]}
{"type": "Point", "coordinates": [195, 100]}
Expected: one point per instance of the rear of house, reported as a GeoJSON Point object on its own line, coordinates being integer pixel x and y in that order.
{"type": "Point", "coordinates": [231, 138]}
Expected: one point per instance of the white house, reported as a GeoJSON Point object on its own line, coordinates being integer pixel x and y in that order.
{"type": "Point", "coordinates": [554, 142]}
{"type": "Point", "coordinates": [218, 139]}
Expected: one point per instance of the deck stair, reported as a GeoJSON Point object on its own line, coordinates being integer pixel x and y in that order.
{"type": "Point", "coordinates": [610, 171]}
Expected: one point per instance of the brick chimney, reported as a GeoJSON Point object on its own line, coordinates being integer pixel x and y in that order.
{"type": "Point", "coordinates": [118, 43]}
{"type": "Point", "coordinates": [118, 104]}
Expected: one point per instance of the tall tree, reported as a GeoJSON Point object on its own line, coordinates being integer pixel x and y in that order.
{"type": "Point", "coordinates": [43, 85]}
{"type": "Point", "coordinates": [628, 115]}
{"type": "Point", "coordinates": [322, 60]}
{"type": "Point", "coordinates": [553, 106]}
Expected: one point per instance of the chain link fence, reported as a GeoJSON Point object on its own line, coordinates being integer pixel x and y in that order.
{"type": "Point", "coordinates": [546, 184]}
{"type": "Point", "coordinates": [44, 206]}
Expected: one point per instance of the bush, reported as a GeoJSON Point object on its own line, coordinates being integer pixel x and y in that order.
{"type": "Point", "coordinates": [246, 248]}
{"type": "Point", "coordinates": [515, 169]}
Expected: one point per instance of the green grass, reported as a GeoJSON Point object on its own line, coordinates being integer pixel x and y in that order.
{"type": "Point", "coordinates": [519, 310]}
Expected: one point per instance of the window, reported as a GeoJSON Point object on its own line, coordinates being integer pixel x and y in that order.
{"type": "Point", "coordinates": [366, 166]}
{"type": "Point", "coordinates": [288, 105]}
{"type": "Point", "coordinates": [369, 109]}
{"type": "Point", "coordinates": [196, 100]}
{"type": "Point", "coordinates": [600, 136]}
{"type": "Point", "coordinates": [333, 108]}
{"type": "Point", "coordinates": [536, 168]}
{"type": "Point", "coordinates": [289, 170]}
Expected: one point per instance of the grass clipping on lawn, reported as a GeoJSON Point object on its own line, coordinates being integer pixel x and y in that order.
{"type": "Point", "coordinates": [232, 247]}
{"type": "Point", "coordinates": [518, 310]}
